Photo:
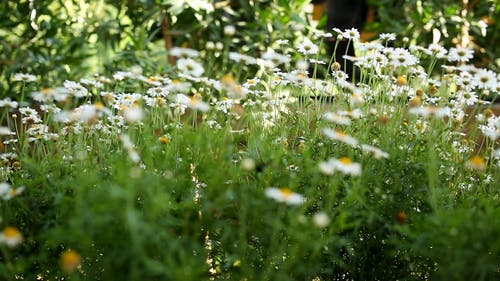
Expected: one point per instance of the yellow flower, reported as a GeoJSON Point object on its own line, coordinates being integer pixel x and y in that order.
{"type": "Point", "coordinates": [476, 163]}
{"type": "Point", "coordinates": [401, 81]}
{"type": "Point", "coordinates": [164, 139]}
{"type": "Point", "coordinates": [70, 260]}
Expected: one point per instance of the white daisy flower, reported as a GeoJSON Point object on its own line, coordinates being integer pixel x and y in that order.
{"type": "Point", "coordinates": [190, 67]}
{"type": "Point", "coordinates": [11, 236]}
{"type": "Point", "coordinates": [76, 89]}
{"type": "Point", "coordinates": [24, 77]}
{"type": "Point", "coordinates": [343, 165]}
{"type": "Point", "coordinates": [430, 111]}
{"type": "Point", "coordinates": [492, 128]}
{"type": "Point", "coordinates": [133, 114]}
{"type": "Point", "coordinates": [285, 195]}
{"type": "Point", "coordinates": [351, 34]}
{"type": "Point", "coordinates": [340, 136]}
{"type": "Point", "coordinates": [460, 54]}
{"type": "Point", "coordinates": [377, 152]}
{"type": "Point", "coordinates": [246, 59]}
{"type": "Point", "coordinates": [485, 79]}
{"type": "Point", "coordinates": [387, 36]}
{"type": "Point", "coordinates": [274, 58]}
{"type": "Point", "coordinates": [337, 118]}
{"type": "Point", "coordinates": [183, 52]}
{"type": "Point", "coordinates": [307, 47]}
{"type": "Point", "coordinates": [435, 50]}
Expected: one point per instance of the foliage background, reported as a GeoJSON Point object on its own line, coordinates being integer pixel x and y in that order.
{"type": "Point", "coordinates": [443, 21]}
{"type": "Point", "coordinates": [69, 39]}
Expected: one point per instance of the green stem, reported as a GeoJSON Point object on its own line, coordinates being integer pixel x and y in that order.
{"type": "Point", "coordinates": [331, 58]}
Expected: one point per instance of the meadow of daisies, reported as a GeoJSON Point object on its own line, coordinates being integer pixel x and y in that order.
{"type": "Point", "coordinates": [259, 170]}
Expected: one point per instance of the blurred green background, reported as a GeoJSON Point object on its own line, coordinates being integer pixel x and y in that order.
{"type": "Point", "coordinates": [59, 40]}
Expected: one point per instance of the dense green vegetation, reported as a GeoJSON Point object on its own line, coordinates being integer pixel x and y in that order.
{"type": "Point", "coordinates": [231, 159]}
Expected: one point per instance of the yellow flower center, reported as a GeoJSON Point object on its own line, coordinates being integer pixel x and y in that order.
{"type": "Point", "coordinates": [194, 100]}
{"type": "Point", "coordinates": [99, 105]}
{"type": "Point", "coordinates": [46, 90]}
{"type": "Point", "coordinates": [340, 134]}
{"type": "Point", "coordinates": [228, 79]}
{"type": "Point", "coordinates": [301, 75]}
{"type": "Point", "coordinates": [477, 161]}
{"type": "Point", "coordinates": [11, 232]}
{"type": "Point", "coordinates": [13, 192]}
{"type": "Point", "coordinates": [70, 260]}
{"type": "Point", "coordinates": [286, 192]}
{"type": "Point", "coordinates": [401, 81]}
{"type": "Point", "coordinates": [345, 160]}
{"type": "Point", "coordinates": [164, 139]}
